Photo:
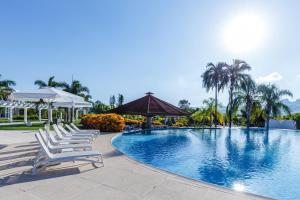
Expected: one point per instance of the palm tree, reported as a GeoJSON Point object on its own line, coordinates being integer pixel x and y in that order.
{"type": "Point", "coordinates": [6, 88]}
{"type": "Point", "coordinates": [246, 95]}
{"type": "Point", "coordinates": [213, 79]}
{"type": "Point", "coordinates": [78, 89]}
{"type": "Point", "coordinates": [50, 83]}
{"type": "Point", "coordinates": [235, 74]}
{"type": "Point", "coordinates": [270, 96]}
{"type": "Point", "coordinates": [209, 107]}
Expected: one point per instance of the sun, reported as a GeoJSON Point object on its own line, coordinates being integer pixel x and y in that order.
{"type": "Point", "coordinates": [244, 33]}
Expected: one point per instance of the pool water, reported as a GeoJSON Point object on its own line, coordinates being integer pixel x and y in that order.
{"type": "Point", "coordinates": [253, 161]}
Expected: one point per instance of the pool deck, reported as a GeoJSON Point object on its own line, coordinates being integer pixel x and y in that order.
{"type": "Point", "coordinates": [120, 178]}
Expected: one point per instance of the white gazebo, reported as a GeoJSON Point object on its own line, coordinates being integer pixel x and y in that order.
{"type": "Point", "coordinates": [10, 105]}
{"type": "Point", "coordinates": [54, 98]}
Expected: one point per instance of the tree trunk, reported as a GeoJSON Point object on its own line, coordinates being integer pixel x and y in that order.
{"type": "Point", "coordinates": [230, 106]}
{"type": "Point", "coordinates": [248, 113]}
{"type": "Point", "coordinates": [268, 113]}
{"type": "Point", "coordinates": [216, 106]}
{"type": "Point", "coordinates": [248, 121]}
{"type": "Point", "coordinates": [267, 126]}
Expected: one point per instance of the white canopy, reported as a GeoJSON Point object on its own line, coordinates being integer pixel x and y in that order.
{"type": "Point", "coordinates": [47, 94]}
{"type": "Point", "coordinates": [57, 98]}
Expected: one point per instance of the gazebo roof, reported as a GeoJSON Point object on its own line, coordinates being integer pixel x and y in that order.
{"type": "Point", "coordinates": [149, 106]}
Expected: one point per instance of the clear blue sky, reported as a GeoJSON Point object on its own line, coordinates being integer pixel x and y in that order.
{"type": "Point", "coordinates": [132, 47]}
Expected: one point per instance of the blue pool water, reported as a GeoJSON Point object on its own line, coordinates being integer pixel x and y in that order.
{"type": "Point", "coordinates": [254, 161]}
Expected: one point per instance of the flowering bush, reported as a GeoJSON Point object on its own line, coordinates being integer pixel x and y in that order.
{"type": "Point", "coordinates": [181, 122]}
{"type": "Point", "coordinates": [178, 124]}
{"type": "Point", "coordinates": [157, 122]}
{"type": "Point", "coordinates": [133, 122]}
{"type": "Point", "coordinates": [104, 122]}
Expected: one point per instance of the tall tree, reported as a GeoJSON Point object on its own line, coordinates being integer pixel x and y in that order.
{"type": "Point", "coordinates": [214, 79]}
{"type": "Point", "coordinates": [271, 98]}
{"type": "Point", "coordinates": [235, 74]}
{"type": "Point", "coordinates": [50, 83]}
{"type": "Point", "coordinates": [112, 101]}
{"type": "Point", "coordinates": [120, 99]}
{"type": "Point", "coordinates": [6, 88]}
{"type": "Point", "coordinates": [78, 89]}
{"type": "Point", "coordinates": [246, 95]}
{"type": "Point", "coordinates": [184, 104]}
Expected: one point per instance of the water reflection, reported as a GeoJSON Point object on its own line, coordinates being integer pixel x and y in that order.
{"type": "Point", "coordinates": [247, 153]}
{"type": "Point", "coordinates": [159, 148]}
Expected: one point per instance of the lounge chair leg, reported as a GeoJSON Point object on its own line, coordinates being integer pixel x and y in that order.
{"type": "Point", "coordinates": [99, 160]}
{"type": "Point", "coordinates": [36, 169]}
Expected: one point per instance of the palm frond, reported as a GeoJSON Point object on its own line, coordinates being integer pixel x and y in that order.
{"type": "Point", "coordinates": [40, 83]}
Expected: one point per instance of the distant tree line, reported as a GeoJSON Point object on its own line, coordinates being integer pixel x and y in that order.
{"type": "Point", "coordinates": [100, 107]}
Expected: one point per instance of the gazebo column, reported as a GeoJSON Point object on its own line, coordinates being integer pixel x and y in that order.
{"type": "Point", "coordinates": [148, 122]}
{"type": "Point", "coordinates": [40, 114]}
{"type": "Point", "coordinates": [69, 115]}
{"type": "Point", "coordinates": [65, 114]}
{"type": "Point", "coordinates": [60, 116]}
{"type": "Point", "coordinates": [73, 114]}
{"type": "Point", "coordinates": [51, 115]}
{"type": "Point", "coordinates": [166, 120]}
{"type": "Point", "coordinates": [6, 113]}
{"type": "Point", "coordinates": [76, 114]}
{"type": "Point", "coordinates": [10, 114]}
{"type": "Point", "coordinates": [25, 116]}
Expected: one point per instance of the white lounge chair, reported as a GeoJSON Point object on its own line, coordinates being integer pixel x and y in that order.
{"type": "Point", "coordinates": [48, 158]}
{"type": "Point", "coordinates": [75, 134]}
{"type": "Point", "coordinates": [54, 148]}
{"type": "Point", "coordinates": [55, 141]}
{"type": "Point", "coordinates": [93, 131]}
{"type": "Point", "coordinates": [70, 139]}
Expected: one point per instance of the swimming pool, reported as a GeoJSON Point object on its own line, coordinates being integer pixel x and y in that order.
{"type": "Point", "coordinates": [251, 161]}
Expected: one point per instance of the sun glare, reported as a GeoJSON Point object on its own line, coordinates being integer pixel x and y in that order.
{"type": "Point", "coordinates": [244, 33]}
{"type": "Point", "coordinates": [238, 187]}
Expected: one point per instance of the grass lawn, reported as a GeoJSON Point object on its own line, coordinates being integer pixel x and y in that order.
{"type": "Point", "coordinates": [21, 127]}
{"type": "Point", "coordinates": [4, 120]}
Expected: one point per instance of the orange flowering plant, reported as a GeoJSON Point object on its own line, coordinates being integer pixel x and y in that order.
{"type": "Point", "coordinates": [104, 122]}
{"type": "Point", "coordinates": [157, 122]}
{"type": "Point", "coordinates": [133, 122]}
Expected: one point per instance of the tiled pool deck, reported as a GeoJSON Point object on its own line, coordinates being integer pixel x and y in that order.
{"type": "Point", "coordinates": [121, 178]}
